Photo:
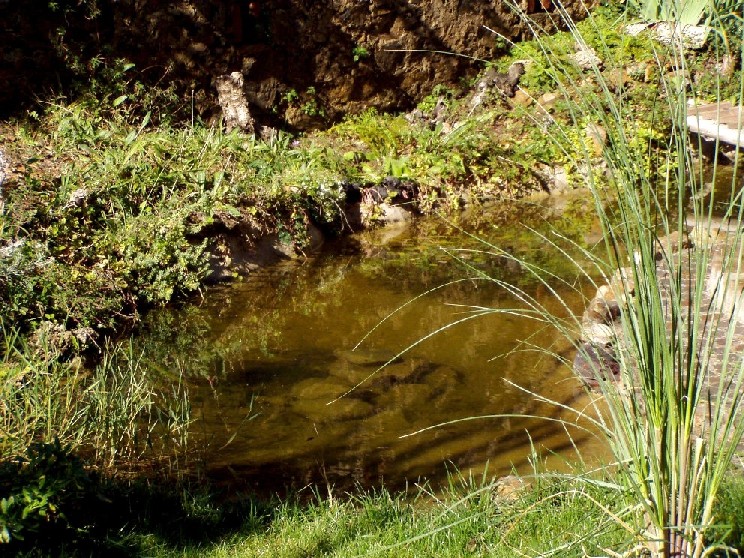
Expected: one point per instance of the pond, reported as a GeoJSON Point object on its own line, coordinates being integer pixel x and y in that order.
{"type": "Point", "coordinates": [285, 368]}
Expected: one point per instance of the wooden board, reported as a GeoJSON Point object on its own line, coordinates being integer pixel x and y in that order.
{"type": "Point", "coordinates": [722, 121]}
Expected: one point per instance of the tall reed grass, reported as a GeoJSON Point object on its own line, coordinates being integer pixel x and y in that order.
{"type": "Point", "coordinates": [674, 420]}
{"type": "Point", "coordinates": [112, 414]}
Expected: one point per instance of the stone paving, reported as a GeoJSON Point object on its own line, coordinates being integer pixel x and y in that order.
{"type": "Point", "coordinates": [721, 308]}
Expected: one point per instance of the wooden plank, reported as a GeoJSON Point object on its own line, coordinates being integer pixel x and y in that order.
{"type": "Point", "coordinates": [722, 121]}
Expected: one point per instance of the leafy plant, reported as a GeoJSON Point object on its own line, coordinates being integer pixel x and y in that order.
{"type": "Point", "coordinates": [41, 490]}
{"type": "Point", "coordinates": [312, 107]}
{"type": "Point", "coordinates": [360, 53]}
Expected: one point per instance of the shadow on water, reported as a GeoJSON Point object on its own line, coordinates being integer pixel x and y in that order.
{"type": "Point", "coordinates": [266, 359]}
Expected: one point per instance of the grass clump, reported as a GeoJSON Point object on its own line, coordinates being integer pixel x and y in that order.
{"type": "Point", "coordinates": [111, 415]}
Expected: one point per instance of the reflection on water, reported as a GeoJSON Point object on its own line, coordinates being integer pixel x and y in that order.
{"type": "Point", "coordinates": [267, 359]}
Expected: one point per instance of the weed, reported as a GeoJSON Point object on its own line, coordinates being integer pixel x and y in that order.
{"type": "Point", "coordinates": [360, 53]}
{"type": "Point", "coordinates": [110, 414]}
{"type": "Point", "coordinates": [43, 490]}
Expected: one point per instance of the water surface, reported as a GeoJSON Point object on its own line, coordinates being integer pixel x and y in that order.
{"type": "Point", "coordinates": [284, 394]}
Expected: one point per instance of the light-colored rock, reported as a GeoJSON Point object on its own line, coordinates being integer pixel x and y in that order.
{"type": "Point", "coordinates": [667, 32]}
{"type": "Point", "coordinates": [548, 100]}
{"type": "Point", "coordinates": [597, 135]}
{"type": "Point", "coordinates": [586, 58]}
{"type": "Point", "coordinates": [509, 487]}
{"type": "Point", "coordinates": [690, 36]}
{"type": "Point", "coordinates": [560, 180]}
{"type": "Point", "coordinates": [234, 104]}
{"type": "Point", "coordinates": [521, 99]}
{"type": "Point", "coordinates": [77, 198]}
{"type": "Point", "coordinates": [394, 213]}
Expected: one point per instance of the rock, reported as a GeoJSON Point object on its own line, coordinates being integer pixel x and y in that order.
{"type": "Point", "coordinates": [605, 307]}
{"type": "Point", "coordinates": [617, 78]}
{"type": "Point", "coordinates": [234, 104]}
{"type": "Point", "coordinates": [430, 119]}
{"type": "Point", "coordinates": [594, 363]}
{"type": "Point", "coordinates": [521, 99]}
{"type": "Point", "coordinates": [560, 180]}
{"type": "Point", "coordinates": [12, 248]}
{"type": "Point", "coordinates": [508, 487]}
{"type": "Point", "coordinates": [601, 330]}
{"type": "Point", "coordinates": [586, 58]}
{"type": "Point", "coordinates": [508, 83]}
{"type": "Point", "coordinates": [77, 198]}
{"type": "Point", "coordinates": [394, 213]}
{"type": "Point", "coordinates": [505, 84]}
{"type": "Point", "coordinates": [548, 100]}
{"type": "Point", "coordinates": [635, 29]}
{"type": "Point", "coordinates": [690, 36]}
{"type": "Point", "coordinates": [598, 136]}
{"type": "Point", "coordinates": [372, 213]}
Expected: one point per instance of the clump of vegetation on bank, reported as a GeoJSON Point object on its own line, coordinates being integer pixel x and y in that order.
{"type": "Point", "coordinates": [111, 207]}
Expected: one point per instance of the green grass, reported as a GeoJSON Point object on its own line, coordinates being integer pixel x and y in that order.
{"type": "Point", "coordinates": [550, 516]}
{"type": "Point", "coordinates": [555, 515]}
{"type": "Point", "coordinates": [112, 413]}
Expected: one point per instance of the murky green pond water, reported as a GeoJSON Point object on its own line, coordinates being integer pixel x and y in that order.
{"type": "Point", "coordinates": [267, 359]}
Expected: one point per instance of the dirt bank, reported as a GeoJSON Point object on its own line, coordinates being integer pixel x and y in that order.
{"type": "Point", "coordinates": [305, 63]}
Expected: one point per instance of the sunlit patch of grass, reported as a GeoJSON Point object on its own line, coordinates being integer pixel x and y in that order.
{"type": "Point", "coordinates": [111, 414]}
{"type": "Point", "coordinates": [467, 519]}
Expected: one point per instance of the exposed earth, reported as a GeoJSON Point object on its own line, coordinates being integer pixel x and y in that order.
{"type": "Point", "coordinates": [305, 64]}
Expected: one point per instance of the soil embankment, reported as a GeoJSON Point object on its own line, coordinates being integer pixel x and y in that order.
{"type": "Point", "coordinates": [304, 63]}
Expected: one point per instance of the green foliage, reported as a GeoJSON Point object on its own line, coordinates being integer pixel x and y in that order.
{"type": "Point", "coordinates": [41, 492]}
{"type": "Point", "coordinates": [312, 106]}
{"type": "Point", "coordinates": [308, 102]}
{"type": "Point", "coordinates": [290, 96]}
{"type": "Point", "coordinates": [112, 411]}
{"type": "Point", "coordinates": [729, 512]}
{"type": "Point", "coordinates": [360, 53]}
{"type": "Point", "coordinates": [153, 255]}
{"type": "Point", "coordinates": [439, 92]}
